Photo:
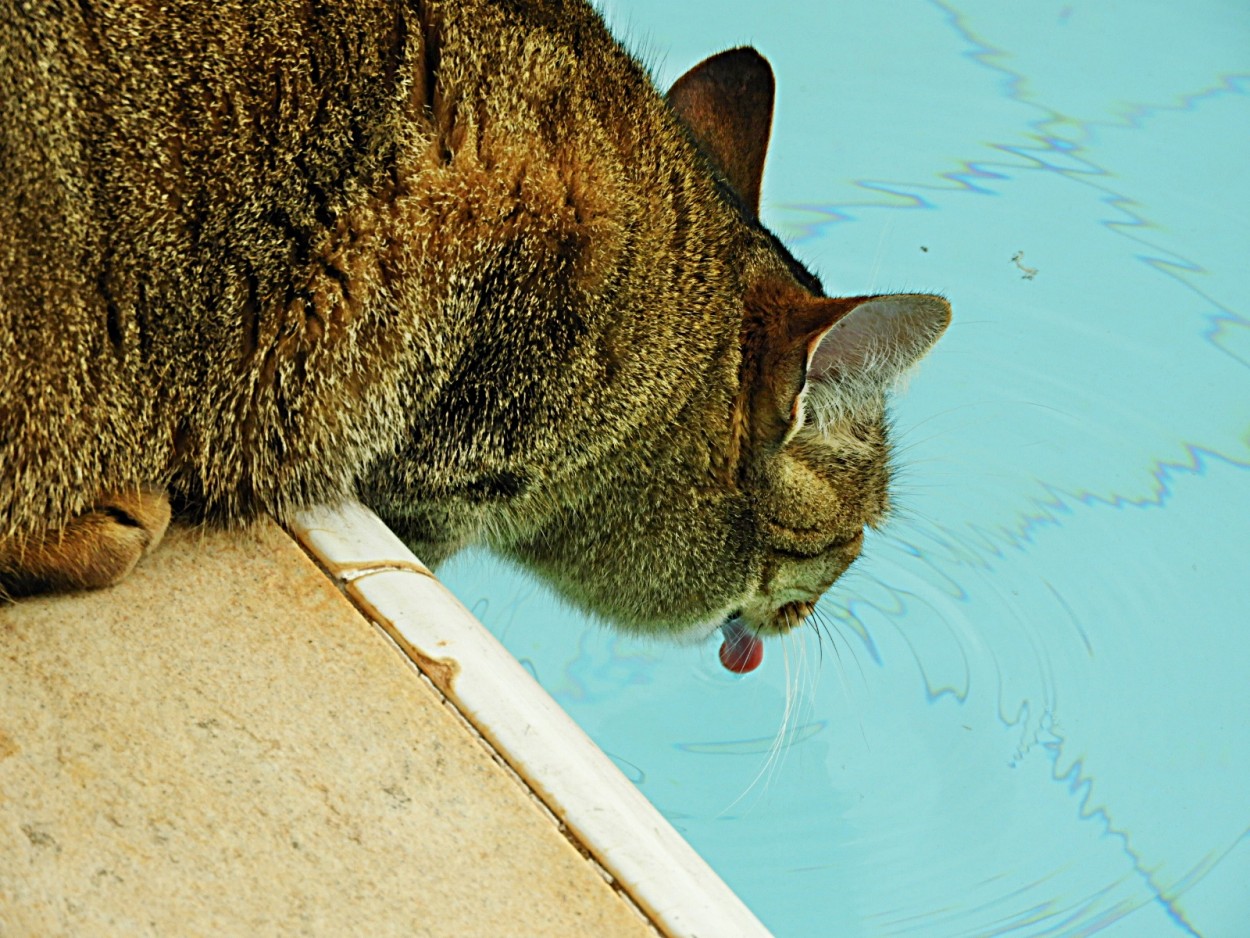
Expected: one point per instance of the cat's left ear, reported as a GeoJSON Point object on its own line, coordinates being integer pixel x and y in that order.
{"type": "Point", "coordinates": [727, 102]}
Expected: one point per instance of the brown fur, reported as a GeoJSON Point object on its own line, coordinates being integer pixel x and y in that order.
{"type": "Point", "coordinates": [459, 259]}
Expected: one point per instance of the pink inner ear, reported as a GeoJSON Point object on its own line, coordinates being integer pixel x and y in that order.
{"type": "Point", "coordinates": [841, 349]}
{"type": "Point", "coordinates": [820, 364]}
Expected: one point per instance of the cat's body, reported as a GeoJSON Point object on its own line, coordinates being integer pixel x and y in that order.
{"type": "Point", "coordinates": [458, 259]}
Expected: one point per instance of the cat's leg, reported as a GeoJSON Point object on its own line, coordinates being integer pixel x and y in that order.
{"type": "Point", "coordinates": [94, 549]}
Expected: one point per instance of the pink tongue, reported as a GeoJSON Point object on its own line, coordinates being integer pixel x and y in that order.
{"type": "Point", "coordinates": [742, 651]}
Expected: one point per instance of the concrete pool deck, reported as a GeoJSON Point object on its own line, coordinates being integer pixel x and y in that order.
{"type": "Point", "coordinates": [224, 744]}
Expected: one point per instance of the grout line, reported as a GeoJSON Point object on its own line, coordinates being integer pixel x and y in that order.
{"type": "Point", "coordinates": [351, 572]}
{"type": "Point", "coordinates": [422, 666]}
{"type": "Point", "coordinates": [601, 813]}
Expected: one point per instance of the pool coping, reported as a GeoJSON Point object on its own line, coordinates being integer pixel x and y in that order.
{"type": "Point", "coordinates": [601, 810]}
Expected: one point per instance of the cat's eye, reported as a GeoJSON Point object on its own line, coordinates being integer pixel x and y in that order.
{"type": "Point", "coordinates": [807, 544]}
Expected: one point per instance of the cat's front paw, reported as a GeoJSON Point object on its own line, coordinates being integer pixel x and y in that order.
{"type": "Point", "coordinates": [95, 549]}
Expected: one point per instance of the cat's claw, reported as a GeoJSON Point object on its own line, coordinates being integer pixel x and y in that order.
{"type": "Point", "coordinates": [742, 650]}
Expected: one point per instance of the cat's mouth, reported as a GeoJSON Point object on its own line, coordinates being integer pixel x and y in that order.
{"type": "Point", "coordinates": [742, 650]}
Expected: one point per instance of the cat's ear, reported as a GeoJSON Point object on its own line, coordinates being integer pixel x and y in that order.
{"type": "Point", "coordinates": [879, 339]}
{"type": "Point", "coordinates": [727, 102]}
{"type": "Point", "coordinates": [842, 354]}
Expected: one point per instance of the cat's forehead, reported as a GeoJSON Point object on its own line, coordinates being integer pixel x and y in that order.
{"type": "Point", "coordinates": [804, 277]}
{"type": "Point", "coordinates": [768, 241]}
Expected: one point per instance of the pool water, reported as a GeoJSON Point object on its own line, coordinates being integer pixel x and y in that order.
{"type": "Point", "coordinates": [1032, 715]}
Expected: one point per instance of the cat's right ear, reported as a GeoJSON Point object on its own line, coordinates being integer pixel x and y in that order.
{"type": "Point", "coordinates": [879, 339]}
{"type": "Point", "coordinates": [727, 103]}
{"type": "Point", "coordinates": [837, 356]}
{"type": "Point", "coordinates": [853, 361]}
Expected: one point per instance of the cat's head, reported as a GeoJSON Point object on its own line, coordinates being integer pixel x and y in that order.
{"type": "Point", "coordinates": [755, 500]}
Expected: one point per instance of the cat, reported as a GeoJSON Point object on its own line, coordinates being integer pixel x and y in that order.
{"type": "Point", "coordinates": [460, 260]}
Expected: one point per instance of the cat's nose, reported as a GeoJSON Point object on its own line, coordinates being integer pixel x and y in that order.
{"type": "Point", "coordinates": [852, 545]}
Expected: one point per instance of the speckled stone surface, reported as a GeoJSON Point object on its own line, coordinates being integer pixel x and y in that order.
{"type": "Point", "coordinates": [222, 745]}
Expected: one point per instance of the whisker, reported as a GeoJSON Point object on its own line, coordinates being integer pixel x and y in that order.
{"type": "Point", "coordinates": [820, 642]}
{"type": "Point", "coordinates": [832, 633]}
{"type": "Point", "coordinates": [767, 771]}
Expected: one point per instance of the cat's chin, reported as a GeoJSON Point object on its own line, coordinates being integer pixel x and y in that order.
{"type": "Point", "coordinates": [700, 632]}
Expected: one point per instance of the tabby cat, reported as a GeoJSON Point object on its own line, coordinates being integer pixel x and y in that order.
{"type": "Point", "coordinates": [455, 258]}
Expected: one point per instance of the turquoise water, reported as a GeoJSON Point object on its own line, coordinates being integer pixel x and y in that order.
{"type": "Point", "coordinates": [1034, 717]}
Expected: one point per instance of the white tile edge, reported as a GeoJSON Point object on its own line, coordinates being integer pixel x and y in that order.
{"type": "Point", "coordinates": [606, 813]}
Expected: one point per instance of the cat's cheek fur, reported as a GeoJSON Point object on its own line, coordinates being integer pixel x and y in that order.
{"type": "Point", "coordinates": [663, 561]}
